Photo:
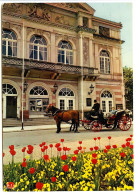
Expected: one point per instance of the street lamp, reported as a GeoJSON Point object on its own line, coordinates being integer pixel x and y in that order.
{"type": "Point", "coordinates": [55, 88]}
{"type": "Point", "coordinates": [91, 89]}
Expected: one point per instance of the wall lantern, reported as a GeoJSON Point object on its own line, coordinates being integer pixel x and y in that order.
{"type": "Point", "coordinates": [55, 88]}
{"type": "Point", "coordinates": [91, 89]}
{"type": "Point", "coordinates": [25, 86]}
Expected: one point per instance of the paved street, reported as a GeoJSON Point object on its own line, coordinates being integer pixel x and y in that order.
{"type": "Point", "coordinates": [35, 137]}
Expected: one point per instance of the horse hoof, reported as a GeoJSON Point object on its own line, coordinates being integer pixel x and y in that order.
{"type": "Point", "coordinates": [57, 132]}
{"type": "Point", "coordinates": [77, 132]}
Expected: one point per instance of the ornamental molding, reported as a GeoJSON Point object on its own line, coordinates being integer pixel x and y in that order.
{"type": "Point", "coordinates": [37, 31]}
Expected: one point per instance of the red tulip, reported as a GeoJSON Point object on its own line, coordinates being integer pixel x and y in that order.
{"type": "Point", "coordinates": [65, 168]}
{"type": "Point", "coordinates": [46, 157]}
{"type": "Point", "coordinates": [43, 143]}
{"type": "Point", "coordinates": [68, 149]}
{"type": "Point", "coordinates": [80, 142]}
{"type": "Point", "coordinates": [108, 147]}
{"type": "Point", "coordinates": [94, 161]}
{"type": "Point", "coordinates": [10, 185]}
{"type": "Point", "coordinates": [131, 135]}
{"type": "Point", "coordinates": [43, 149]}
{"type": "Point", "coordinates": [128, 144]}
{"type": "Point", "coordinates": [40, 145]}
{"type": "Point", "coordinates": [114, 146]}
{"type": "Point", "coordinates": [65, 148]}
{"type": "Point", "coordinates": [123, 145]}
{"type": "Point", "coordinates": [24, 159]}
{"type": "Point", "coordinates": [131, 146]}
{"type": "Point", "coordinates": [128, 139]}
{"type": "Point", "coordinates": [76, 151]}
{"type": "Point", "coordinates": [94, 155]}
{"type": "Point", "coordinates": [51, 145]}
{"type": "Point", "coordinates": [29, 151]}
{"type": "Point", "coordinates": [3, 154]}
{"type": "Point", "coordinates": [73, 158]}
{"type": "Point", "coordinates": [79, 148]}
{"type": "Point", "coordinates": [109, 137]}
{"type": "Point", "coordinates": [64, 157]}
{"type": "Point", "coordinates": [11, 147]}
{"type": "Point", "coordinates": [24, 164]}
{"type": "Point", "coordinates": [57, 145]}
{"type": "Point", "coordinates": [132, 156]}
{"type": "Point", "coordinates": [59, 149]}
{"type": "Point", "coordinates": [62, 140]}
{"type": "Point", "coordinates": [96, 147]}
{"type": "Point", "coordinates": [98, 138]}
{"type": "Point", "coordinates": [91, 149]}
{"type": "Point", "coordinates": [95, 138]}
{"type": "Point", "coordinates": [32, 170]}
{"type": "Point", "coordinates": [39, 185]}
{"type": "Point", "coordinates": [12, 152]}
{"type": "Point", "coordinates": [23, 149]}
{"type": "Point", "coordinates": [122, 154]}
{"type": "Point", "coordinates": [105, 151]}
{"type": "Point", "coordinates": [53, 179]}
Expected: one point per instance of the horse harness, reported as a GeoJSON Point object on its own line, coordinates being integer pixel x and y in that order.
{"type": "Point", "coordinates": [56, 112]}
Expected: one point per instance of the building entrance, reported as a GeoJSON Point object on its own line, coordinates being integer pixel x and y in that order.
{"type": "Point", "coordinates": [11, 107]}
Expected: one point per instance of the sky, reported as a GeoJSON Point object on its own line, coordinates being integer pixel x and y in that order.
{"type": "Point", "coordinates": [119, 12]}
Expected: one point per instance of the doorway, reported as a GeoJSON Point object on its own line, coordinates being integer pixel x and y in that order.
{"type": "Point", "coordinates": [11, 107]}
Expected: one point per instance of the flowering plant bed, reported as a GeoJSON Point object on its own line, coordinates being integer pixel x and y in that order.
{"type": "Point", "coordinates": [108, 169]}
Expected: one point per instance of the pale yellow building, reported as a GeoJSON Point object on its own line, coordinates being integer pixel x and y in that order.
{"type": "Point", "coordinates": [64, 49]}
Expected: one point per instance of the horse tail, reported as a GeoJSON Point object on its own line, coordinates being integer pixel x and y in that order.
{"type": "Point", "coordinates": [78, 119]}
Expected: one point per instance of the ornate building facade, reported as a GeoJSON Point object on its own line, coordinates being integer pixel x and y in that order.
{"type": "Point", "coordinates": [60, 54]}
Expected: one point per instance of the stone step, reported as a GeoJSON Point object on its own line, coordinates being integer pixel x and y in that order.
{"type": "Point", "coordinates": [29, 122]}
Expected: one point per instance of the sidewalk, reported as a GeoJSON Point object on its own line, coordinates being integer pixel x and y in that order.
{"type": "Point", "coordinates": [30, 128]}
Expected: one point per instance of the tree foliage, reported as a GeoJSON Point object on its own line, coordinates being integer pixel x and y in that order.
{"type": "Point", "coordinates": [128, 77]}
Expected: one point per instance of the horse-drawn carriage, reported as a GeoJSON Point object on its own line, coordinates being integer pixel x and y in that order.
{"type": "Point", "coordinates": [120, 119]}
{"type": "Point", "coordinates": [95, 123]}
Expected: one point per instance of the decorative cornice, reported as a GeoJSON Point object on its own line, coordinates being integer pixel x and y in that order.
{"type": "Point", "coordinates": [85, 29]}
{"type": "Point", "coordinates": [108, 38]}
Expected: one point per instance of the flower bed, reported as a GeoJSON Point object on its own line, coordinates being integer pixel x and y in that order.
{"type": "Point", "coordinates": [108, 169]}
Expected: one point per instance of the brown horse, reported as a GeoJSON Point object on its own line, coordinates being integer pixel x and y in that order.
{"type": "Point", "coordinates": [66, 116]}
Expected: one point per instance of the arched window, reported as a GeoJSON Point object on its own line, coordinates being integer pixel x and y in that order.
{"type": "Point", "coordinates": [38, 48]}
{"type": "Point", "coordinates": [38, 100]}
{"type": "Point", "coordinates": [66, 92]}
{"type": "Point", "coordinates": [8, 89]}
{"type": "Point", "coordinates": [106, 94]}
{"type": "Point", "coordinates": [38, 90]}
{"type": "Point", "coordinates": [106, 101]}
{"type": "Point", "coordinates": [104, 62]}
{"type": "Point", "coordinates": [9, 43]}
{"type": "Point", "coordinates": [65, 53]}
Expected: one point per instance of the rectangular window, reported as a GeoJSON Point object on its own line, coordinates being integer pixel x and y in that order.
{"type": "Point", "coordinates": [104, 31]}
{"type": "Point", "coordinates": [61, 56]}
{"type": "Point", "coordinates": [88, 101]}
{"type": "Point", "coordinates": [38, 105]}
{"type": "Point", "coordinates": [119, 106]}
{"type": "Point", "coordinates": [103, 106]}
{"type": "Point", "coordinates": [70, 102]}
{"type": "Point", "coordinates": [4, 48]}
{"type": "Point", "coordinates": [85, 22]}
{"type": "Point", "coordinates": [110, 106]}
{"type": "Point", "coordinates": [62, 104]}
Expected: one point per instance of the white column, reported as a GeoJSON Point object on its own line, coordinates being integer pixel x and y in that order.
{"type": "Point", "coordinates": [91, 57]}
{"type": "Point", "coordinates": [81, 64]}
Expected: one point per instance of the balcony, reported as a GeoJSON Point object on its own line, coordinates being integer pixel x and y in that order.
{"type": "Point", "coordinates": [57, 68]}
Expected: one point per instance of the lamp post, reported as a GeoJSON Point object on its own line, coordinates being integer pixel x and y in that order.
{"type": "Point", "coordinates": [55, 88]}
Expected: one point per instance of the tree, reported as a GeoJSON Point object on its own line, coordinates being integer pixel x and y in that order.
{"type": "Point", "coordinates": [128, 78]}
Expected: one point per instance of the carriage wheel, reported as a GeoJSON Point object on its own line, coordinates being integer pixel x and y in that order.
{"type": "Point", "coordinates": [124, 123]}
{"type": "Point", "coordinates": [96, 126]}
{"type": "Point", "coordinates": [87, 126]}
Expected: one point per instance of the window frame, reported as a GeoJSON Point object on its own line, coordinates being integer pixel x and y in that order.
{"type": "Point", "coordinates": [66, 52]}
{"type": "Point", "coordinates": [38, 46]}
{"type": "Point", "coordinates": [9, 43]}
{"type": "Point", "coordinates": [105, 63]}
